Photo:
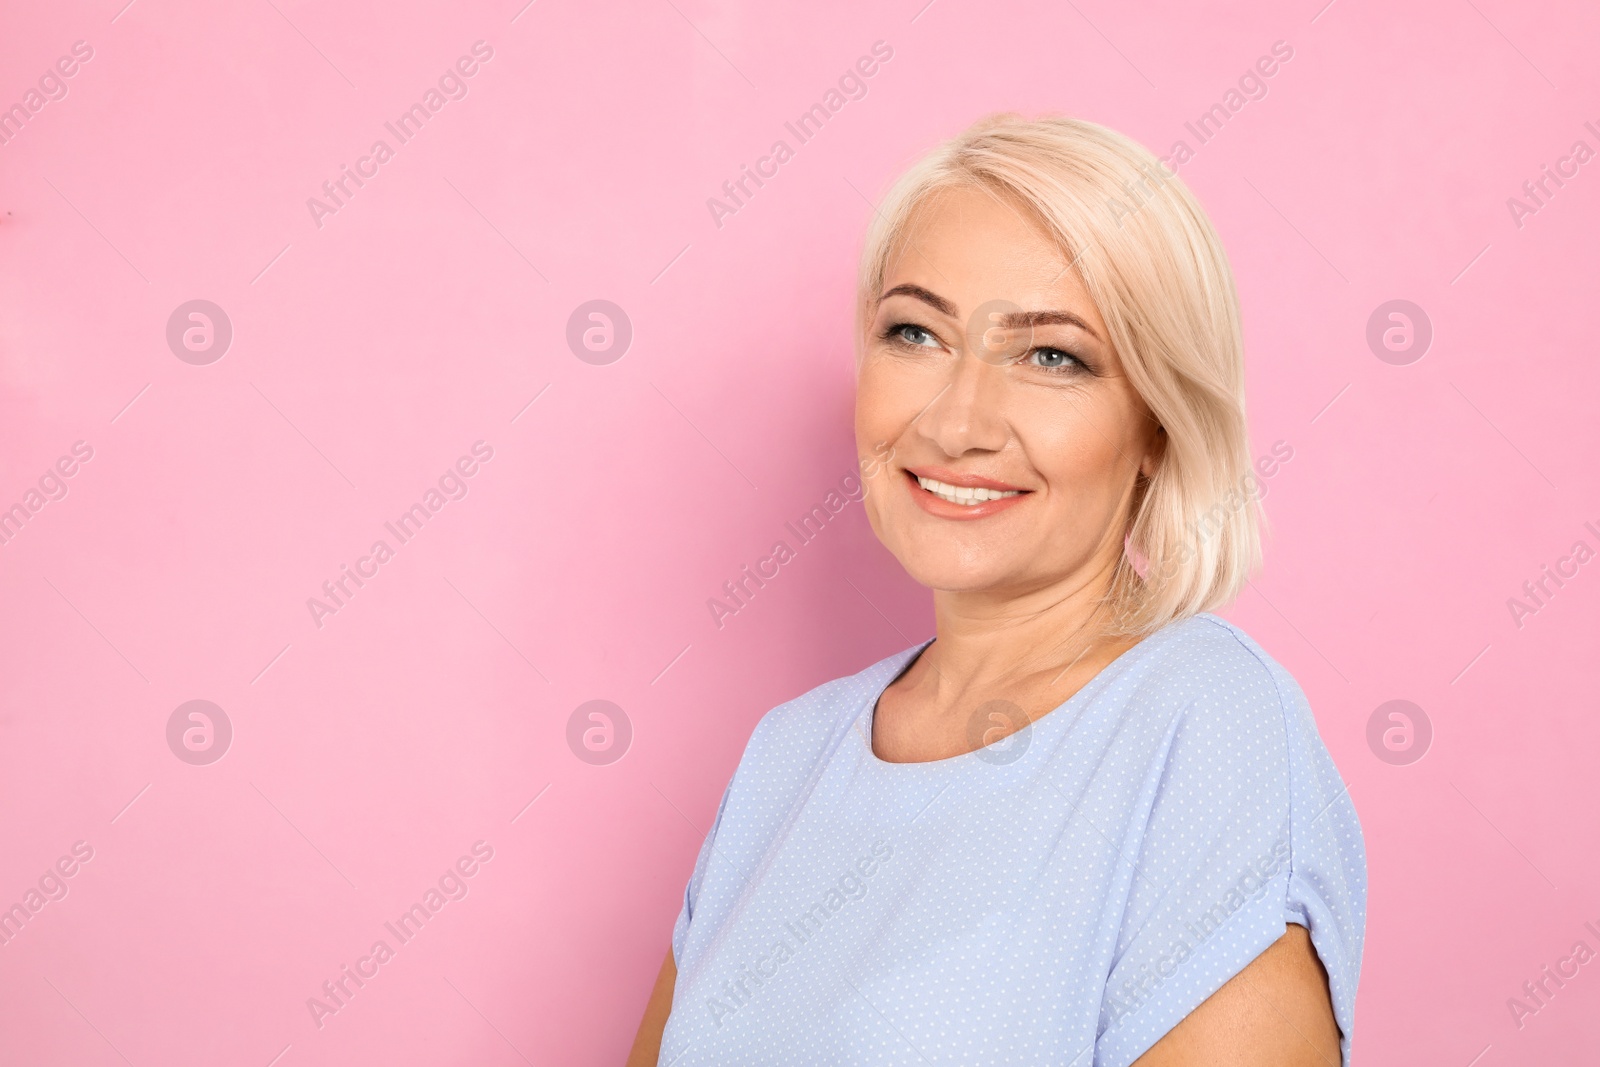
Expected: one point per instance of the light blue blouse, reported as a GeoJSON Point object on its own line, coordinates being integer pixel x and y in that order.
{"type": "Point", "coordinates": [1063, 896]}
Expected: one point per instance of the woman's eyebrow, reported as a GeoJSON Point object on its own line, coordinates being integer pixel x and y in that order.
{"type": "Point", "coordinates": [1027, 319]}
{"type": "Point", "coordinates": [1016, 320]}
{"type": "Point", "coordinates": [932, 299]}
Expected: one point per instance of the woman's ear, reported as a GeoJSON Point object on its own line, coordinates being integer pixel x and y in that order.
{"type": "Point", "coordinates": [1151, 462]}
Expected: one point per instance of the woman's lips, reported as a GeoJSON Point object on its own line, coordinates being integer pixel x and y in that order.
{"type": "Point", "coordinates": [926, 487]}
{"type": "Point", "coordinates": [960, 479]}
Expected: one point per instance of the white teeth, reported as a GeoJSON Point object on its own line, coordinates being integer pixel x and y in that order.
{"type": "Point", "coordinates": [960, 494]}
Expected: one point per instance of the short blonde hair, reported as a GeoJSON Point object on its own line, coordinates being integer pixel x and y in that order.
{"type": "Point", "coordinates": [1158, 275]}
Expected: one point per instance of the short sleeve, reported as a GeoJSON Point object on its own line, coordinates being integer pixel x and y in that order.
{"type": "Point", "coordinates": [1327, 891]}
{"type": "Point", "coordinates": [1232, 850]}
{"type": "Point", "coordinates": [691, 891]}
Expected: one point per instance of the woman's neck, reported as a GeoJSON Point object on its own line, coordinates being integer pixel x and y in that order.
{"type": "Point", "coordinates": [1036, 642]}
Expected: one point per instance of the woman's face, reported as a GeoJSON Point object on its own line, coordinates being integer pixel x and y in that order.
{"type": "Point", "coordinates": [986, 367]}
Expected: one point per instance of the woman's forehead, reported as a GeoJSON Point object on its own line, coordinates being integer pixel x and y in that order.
{"type": "Point", "coordinates": [956, 262]}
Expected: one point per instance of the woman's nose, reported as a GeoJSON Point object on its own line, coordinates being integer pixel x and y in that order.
{"type": "Point", "coordinates": [968, 413]}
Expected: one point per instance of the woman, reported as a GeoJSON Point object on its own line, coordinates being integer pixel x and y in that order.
{"type": "Point", "coordinates": [1088, 822]}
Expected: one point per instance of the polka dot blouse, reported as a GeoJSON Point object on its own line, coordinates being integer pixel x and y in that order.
{"type": "Point", "coordinates": [1063, 896]}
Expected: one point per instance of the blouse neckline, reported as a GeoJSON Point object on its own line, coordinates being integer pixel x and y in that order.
{"type": "Point", "coordinates": [988, 754]}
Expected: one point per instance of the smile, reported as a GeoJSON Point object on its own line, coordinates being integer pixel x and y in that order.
{"type": "Point", "coordinates": [943, 498]}
{"type": "Point", "coordinates": [960, 494]}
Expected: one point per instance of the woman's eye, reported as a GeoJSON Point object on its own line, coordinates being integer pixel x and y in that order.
{"type": "Point", "coordinates": [914, 335]}
{"type": "Point", "coordinates": [1053, 359]}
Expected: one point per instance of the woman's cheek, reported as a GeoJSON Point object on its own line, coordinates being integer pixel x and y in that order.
{"type": "Point", "coordinates": [884, 409]}
{"type": "Point", "coordinates": [874, 504]}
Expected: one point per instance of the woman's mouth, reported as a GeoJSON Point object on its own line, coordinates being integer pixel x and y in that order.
{"type": "Point", "coordinates": [957, 494]}
{"type": "Point", "coordinates": [949, 500]}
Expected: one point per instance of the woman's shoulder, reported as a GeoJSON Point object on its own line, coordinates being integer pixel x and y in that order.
{"type": "Point", "coordinates": [812, 722]}
{"type": "Point", "coordinates": [1215, 694]}
{"type": "Point", "coordinates": [1209, 644]}
{"type": "Point", "coordinates": [1236, 793]}
{"type": "Point", "coordinates": [1238, 713]}
{"type": "Point", "coordinates": [1207, 664]}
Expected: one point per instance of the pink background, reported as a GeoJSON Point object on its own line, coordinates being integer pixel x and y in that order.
{"type": "Point", "coordinates": [368, 354]}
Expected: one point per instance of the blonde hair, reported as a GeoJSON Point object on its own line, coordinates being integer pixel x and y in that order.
{"type": "Point", "coordinates": [1158, 275]}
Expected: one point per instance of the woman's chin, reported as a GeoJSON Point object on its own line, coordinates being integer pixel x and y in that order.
{"type": "Point", "coordinates": [959, 576]}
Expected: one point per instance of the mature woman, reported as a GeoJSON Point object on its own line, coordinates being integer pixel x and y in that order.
{"type": "Point", "coordinates": [1088, 823]}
